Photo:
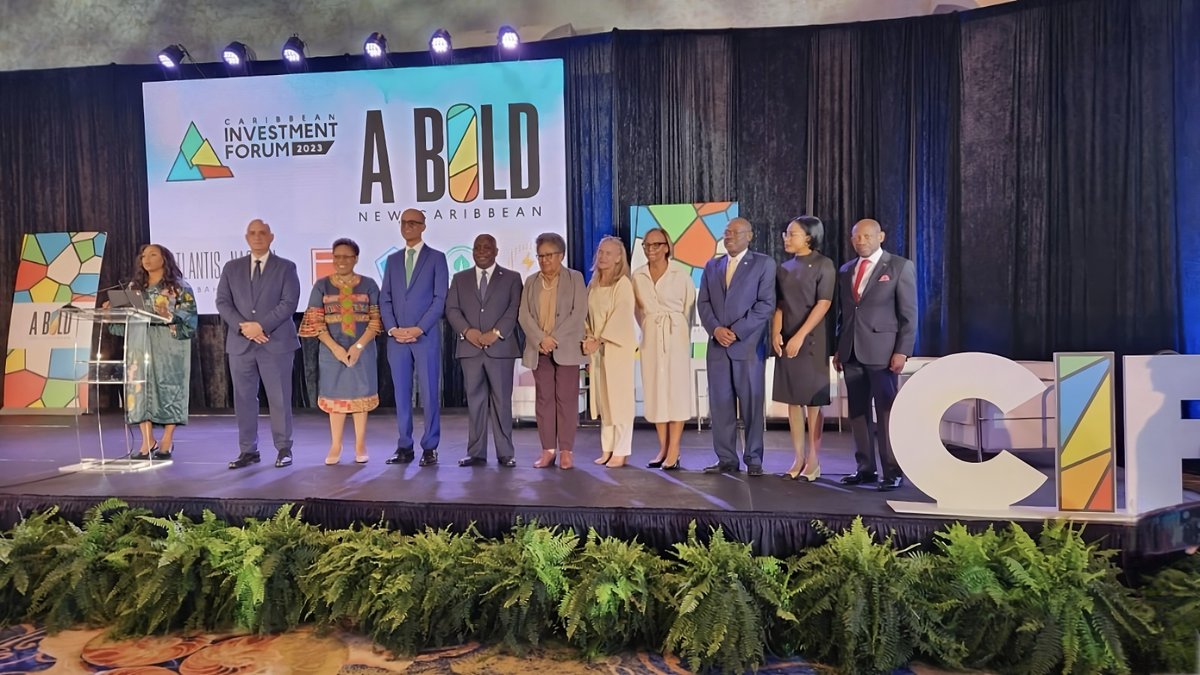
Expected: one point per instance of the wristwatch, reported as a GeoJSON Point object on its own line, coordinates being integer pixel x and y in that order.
{"type": "Point", "coordinates": [358, 345]}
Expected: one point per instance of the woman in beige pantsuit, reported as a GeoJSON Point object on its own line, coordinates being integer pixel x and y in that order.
{"type": "Point", "coordinates": [611, 342]}
{"type": "Point", "coordinates": [666, 298]}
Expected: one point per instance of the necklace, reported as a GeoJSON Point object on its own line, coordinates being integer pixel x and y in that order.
{"type": "Point", "coordinates": [550, 285]}
{"type": "Point", "coordinates": [342, 281]}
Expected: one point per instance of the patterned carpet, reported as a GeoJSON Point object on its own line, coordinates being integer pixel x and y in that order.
{"type": "Point", "coordinates": [28, 649]}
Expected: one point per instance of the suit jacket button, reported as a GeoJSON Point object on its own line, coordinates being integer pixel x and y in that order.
{"type": "Point", "coordinates": [254, 311]}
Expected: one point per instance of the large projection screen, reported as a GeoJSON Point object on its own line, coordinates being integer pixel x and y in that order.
{"type": "Point", "coordinates": [478, 148]}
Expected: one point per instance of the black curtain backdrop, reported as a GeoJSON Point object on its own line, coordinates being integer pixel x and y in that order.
{"type": "Point", "coordinates": [1037, 160]}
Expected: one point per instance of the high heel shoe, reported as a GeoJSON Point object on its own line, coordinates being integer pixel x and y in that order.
{"type": "Point", "coordinates": [161, 455]}
{"type": "Point", "coordinates": [656, 464]}
{"type": "Point", "coordinates": [603, 459]}
{"type": "Point", "coordinates": [810, 476]}
{"type": "Point", "coordinates": [141, 456]}
{"type": "Point", "coordinates": [788, 475]}
{"type": "Point", "coordinates": [671, 467]}
{"type": "Point", "coordinates": [333, 458]}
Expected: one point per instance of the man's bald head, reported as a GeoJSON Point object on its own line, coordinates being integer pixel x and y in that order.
{"type": "Point", "coordinates": [259, 237]}
{"type": "Point", "coordinates": [738, 234]}
{"type": "Point", "coordinates": [866, 237]}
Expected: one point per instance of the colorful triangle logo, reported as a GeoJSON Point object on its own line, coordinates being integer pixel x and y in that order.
{"type": "Point", "coordinates": [196, 159]}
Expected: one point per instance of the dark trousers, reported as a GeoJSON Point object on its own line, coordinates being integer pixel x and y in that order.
{"type": "Point", "coordinates": [489, 385]}
{"type": "Point", "coordinates": [274, 371]}
{"type": "Point", "coordinates": [736, 385]}
{"type": "Point", "coordinates": [424, 358]}
{"type": "Point", "coordinates": [556, 403]}
{"type": "Point", "coordinates": [864, 383]}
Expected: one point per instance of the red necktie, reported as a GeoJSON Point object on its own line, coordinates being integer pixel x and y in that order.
{"type": "Point", "coordinates": [858, 277]}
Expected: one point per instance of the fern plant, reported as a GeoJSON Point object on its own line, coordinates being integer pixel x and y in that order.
{"type": "Point", "coordinates": [27, 554]}
{"type": "Point", "coordinates": [88, 573]}
{"type": "Point", "coordinates": [617, 599]}
{"type": "Point", "coordinates": [267, 559]}
{"type": "Point", "coordinates": [970, 583]}
{"type": "Point", "coordinates": [1075, 613]}
{"type": "Point", "coordinates": [182, 585]}
{"type": "Point", "coordinates": [725, 602]}
{"type": "Point", "coordinates": [1174, 595]}
{"type": "Point", "coordinates": [861, 604]}
{"type": "Point", "coordinates": [522, 579]}
{"type": "Point", "coordinates": [406, 592]}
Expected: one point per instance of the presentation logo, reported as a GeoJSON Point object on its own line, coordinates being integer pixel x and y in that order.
{"type": "Point", "coordinates": [196, 159]}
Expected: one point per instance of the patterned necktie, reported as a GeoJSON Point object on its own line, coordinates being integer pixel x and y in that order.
{"type": "Point", "coordinates": [410, 259]}
{"type": "Point", "coordinates": [862, 271]}
{"type": "Point", "coordinates": [254, 278]}
{"type": "Point", "coordinates": [483, 285]}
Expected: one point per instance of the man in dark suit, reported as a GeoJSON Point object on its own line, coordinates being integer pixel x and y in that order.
{"type": "Point", "coordinates": [411, 303]}
{"type": "Point", "coordinates": [877, 292]}
{"type": "Point", "coordinates": [736, 300]}
{"type": "Point", "coordinates": [257, 297]}
{"type": "Point", "coordinates": [482, 309]}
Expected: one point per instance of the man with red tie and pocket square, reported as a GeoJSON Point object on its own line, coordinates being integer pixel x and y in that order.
{"type": "Point", "coordinates": [877, 328]}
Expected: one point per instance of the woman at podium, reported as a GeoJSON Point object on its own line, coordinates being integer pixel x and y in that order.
{"type": "Point", "coordinates": [343, 314]}
{"type": "Point", "coordinates": [159, 394]}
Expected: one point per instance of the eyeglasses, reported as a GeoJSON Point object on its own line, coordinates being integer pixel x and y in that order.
{"type": "Point", "coordinates": [344, 257]}
{"type": "Point", "coordinates": [548, 256]}
{"type": "Point", "coordinates": [412, 222]}
{"type": "Point", "coordinates": [654, 244]}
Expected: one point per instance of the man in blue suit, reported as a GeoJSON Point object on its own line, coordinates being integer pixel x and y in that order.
{"type": "Point", "coordinates": [411, 302]}
{"type": "Point", "coordinates": [257, 298]}
{"type": "Point", "coordinates": [482, 310]}
{"type": "Point", "coordinates": [736, 300]}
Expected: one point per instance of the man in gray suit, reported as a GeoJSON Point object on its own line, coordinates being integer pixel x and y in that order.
{"type": "Point", "coordinates": [257, 298]}
{"type": "Point", "coordinates": [482, 309]}
{"type": "Point", "coordinates": [877, 330]}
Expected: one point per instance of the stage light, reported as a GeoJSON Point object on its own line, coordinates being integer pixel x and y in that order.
{"type": "Point", "coordinates": [293, 52]}
{"type": "Point", "coordinates": [172, 56]}
{"type": "Point", "coordinates": [237, 58]}
{"type": "Point", "coordinates": [375, 47]}
{"type": "Point", "coordinates": [508, 39]}
{"type": "Point", "coordinates": [439, 44]}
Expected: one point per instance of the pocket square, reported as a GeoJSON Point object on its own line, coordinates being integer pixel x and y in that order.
{"type": "Point", "coordinates": [884, 278]}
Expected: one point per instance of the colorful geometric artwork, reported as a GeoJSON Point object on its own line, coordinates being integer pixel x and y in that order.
{"type": "Point", "coordinates": [695, 231]}
{"type": "Point", "coordinates": [55, 268]}
{"type": "Point", "coordinates": [322, 263]}
{"type": "Point", "coordinates": [462, 137]}
{"type": "Point", "coordinates": [1086, 456]}
{"type": "Point", "coordinates": [196, 159]}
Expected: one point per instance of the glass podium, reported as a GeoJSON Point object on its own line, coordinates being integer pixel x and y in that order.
{"type": "Point", "coordinates": [124, 368]}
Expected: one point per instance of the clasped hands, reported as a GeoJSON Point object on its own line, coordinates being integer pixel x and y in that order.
{"type": "Point", "coordinates": [406, 335]}
{"type": "Point", "coordinates": [347, 356]}
{"type": "Point", "coordinates": [253, 331]}
{"type": "Point", "coordinates": [791, 348]}
{"type": "Point", "coordinates": [591, 345]}
{"type": "Point", "coordinates": [480, 339]}
{"type": "Point", "coordinates": [724, 336]}
{"type": "Point", "coordinates": [896, 364]}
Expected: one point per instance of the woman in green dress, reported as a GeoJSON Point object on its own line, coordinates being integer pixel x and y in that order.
{"type": "Point", "coordinates": [162, 362]}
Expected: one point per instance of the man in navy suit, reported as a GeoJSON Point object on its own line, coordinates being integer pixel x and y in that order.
{"type": "Point", "coordinates": [411, 303]}
{"type": "Point", "coordinates": [482, 309]}
{"type": "Point", "coordinates": [877, 330]}
{"type": "Point", "coordinates": [736, 300]}
{"type": "Point", "coordinates": [257, 298]}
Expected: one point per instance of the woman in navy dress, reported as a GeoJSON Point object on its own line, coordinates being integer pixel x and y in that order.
{"type": "Point", "coordinates": [804, 294]}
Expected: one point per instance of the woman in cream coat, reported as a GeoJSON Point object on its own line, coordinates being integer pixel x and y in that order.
{"type": "Point", "coordinates": [611, 343]}
{"type": "Point", "coordinates": [554, 307]}
{"type": "Point", "coordinates": [666, 298]}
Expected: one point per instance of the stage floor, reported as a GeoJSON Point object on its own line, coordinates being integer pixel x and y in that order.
{"type": "Point", "coordinates": [775, 514]}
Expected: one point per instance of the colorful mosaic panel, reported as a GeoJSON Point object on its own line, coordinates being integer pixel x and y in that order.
{"type": "Point", "coordinates": [695, 232]}
{"type": "Point", "coordinates": [1086, 456]}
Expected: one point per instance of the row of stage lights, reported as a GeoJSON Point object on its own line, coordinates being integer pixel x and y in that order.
{"type": "Point", "coordinates": [237, 56]}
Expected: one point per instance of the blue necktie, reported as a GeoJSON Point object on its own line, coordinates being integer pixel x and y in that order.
{"type": "Point", "coordinates": [483, 286]}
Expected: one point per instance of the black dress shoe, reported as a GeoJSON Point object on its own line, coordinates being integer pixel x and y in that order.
{"type": "Point", "coordinates": [671, 467]}
{"type": "Point", "coordinates": [466, 461]}
{"type": "Point", "coordinates": [720, 468]}
{"type": "Point", "coordinates": [284, 459]}
{"type": "Point", "coordinates": [161, 455]}
{"type": "Point", "coordinates": [889, 484]}
{"type": "Point", "coordinates": [507, 462]}
{"type": "Point", "coordinates": [754, 471]}
{"type": "Point", "coordinates": [656, 464]}
{"type": "Point", "coordinates": [244, 460]}
{"type": "Point", "coordinates": [402, 456]}
{"type": "Point", "coordinates": [428, 458]}
{"type": "Point", "coordinates": [859, 478]}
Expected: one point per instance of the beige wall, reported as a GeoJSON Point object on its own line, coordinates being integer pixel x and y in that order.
{"type": "Point", "coordinates": [132, 31]}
